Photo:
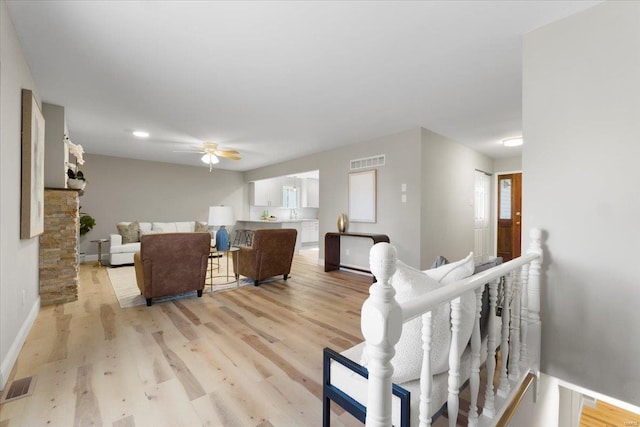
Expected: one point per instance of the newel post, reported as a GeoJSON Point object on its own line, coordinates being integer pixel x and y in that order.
{"type": "Point", "coordinates": [381, 323]}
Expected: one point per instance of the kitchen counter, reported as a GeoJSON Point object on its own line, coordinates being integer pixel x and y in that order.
{"type": "Point", "coordinates": [256, 224]}
{"type": "Point", "coordinates": [277, 221]}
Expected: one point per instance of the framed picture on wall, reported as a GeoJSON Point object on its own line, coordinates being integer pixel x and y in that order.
{"type": "Point", "coordinates": [32, 193]}
{"type": "Point", "coordinates": [362, 196]}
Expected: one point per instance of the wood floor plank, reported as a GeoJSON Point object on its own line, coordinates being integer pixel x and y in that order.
{"type": "Point", "coordinates": [107, 318]}
{"type": "Point", "coordinates": [180, 369]}
{"type": "Point", "coordinates": [248, 356]}
{"type": "Point", "coordinates": [87, 409]}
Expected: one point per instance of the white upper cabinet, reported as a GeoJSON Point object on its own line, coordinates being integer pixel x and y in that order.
{"type": "Point", "coordinates": [266, 192]}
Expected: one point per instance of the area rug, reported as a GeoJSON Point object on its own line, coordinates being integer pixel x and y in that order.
{"type": "Point", "coordinates": [123, 281]}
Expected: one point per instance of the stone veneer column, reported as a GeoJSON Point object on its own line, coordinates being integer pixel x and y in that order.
{"type": "Point", "coordinates": [59, 268]}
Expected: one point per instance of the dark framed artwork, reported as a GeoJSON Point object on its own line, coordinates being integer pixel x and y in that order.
{"type": "Point", "coordinates": [32, 195]}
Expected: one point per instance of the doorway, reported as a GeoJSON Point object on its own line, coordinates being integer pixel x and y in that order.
{"type": "Point", "coordinates": [509, 216]}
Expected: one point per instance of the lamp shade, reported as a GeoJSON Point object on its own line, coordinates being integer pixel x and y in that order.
{"type": "Point", "coordinates": [221, 215]}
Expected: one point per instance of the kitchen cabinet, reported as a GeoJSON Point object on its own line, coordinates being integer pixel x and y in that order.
{"type": "Point", "coordinates": [310, 193]}
{"type": "Point", "coordinates": [310, 232]}
{"type": "Point", "coordinates": [266, 192]}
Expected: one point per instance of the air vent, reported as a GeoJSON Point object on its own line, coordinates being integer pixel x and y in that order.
{"type": "Point", "coordinates": [19, 388]}
{"type": "Point", "coordinates": [368, 162]}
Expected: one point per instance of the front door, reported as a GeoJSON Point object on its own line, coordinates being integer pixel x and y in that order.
{"type": "Point", "coordinates": [509, 215]}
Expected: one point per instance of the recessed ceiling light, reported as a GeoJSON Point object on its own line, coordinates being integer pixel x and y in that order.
{"type": "Point", "coordinates": [141, 134]}
{"type": "Point", "coordinates": [512, 142]}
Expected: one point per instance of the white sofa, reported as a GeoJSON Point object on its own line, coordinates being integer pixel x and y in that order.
{"type": "Point", "coordinates": [123, 253]}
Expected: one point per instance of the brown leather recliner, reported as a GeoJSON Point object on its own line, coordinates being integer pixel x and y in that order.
{"type": "Point", "coordinates": [171, 263]}
{"type": "Point", "coordinates": [270, 255]}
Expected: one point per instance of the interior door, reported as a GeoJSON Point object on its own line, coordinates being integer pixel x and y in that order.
{"type": "Point", "coordinates": [509, 215]}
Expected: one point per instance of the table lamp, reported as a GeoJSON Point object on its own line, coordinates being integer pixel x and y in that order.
{"type": "Point", "coordinates": [221, 216]}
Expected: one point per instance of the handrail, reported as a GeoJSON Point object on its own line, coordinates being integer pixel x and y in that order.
{"type": "Point", "coordinates": [382, 319]}
{"type": "Point", "coordinates": [515, 402]}
{"type": "Point", "coordinates": [432, 299]}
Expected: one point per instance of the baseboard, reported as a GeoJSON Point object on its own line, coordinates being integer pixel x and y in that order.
{"type": "Point", "coordinates": [18, 342]}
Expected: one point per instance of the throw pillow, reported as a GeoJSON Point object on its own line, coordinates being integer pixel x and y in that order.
{"type": "Point", "coordinates": [453, 272]}
{"type": "Point", "coordinates": [164, 227]}
{"type": "Point", "coordinates": [201, 227]}
{"type": "Point", "coordinates": [130, 232]}
{"type": "Point", "coordinates": [185, 227]}
{"type": "Point", "coordinates": [407, 362]}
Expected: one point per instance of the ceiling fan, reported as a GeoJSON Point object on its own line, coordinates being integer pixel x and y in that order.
{"type": "Point", "coordinates": [211, 154]}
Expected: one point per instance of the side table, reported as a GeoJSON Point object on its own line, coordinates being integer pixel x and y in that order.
{"type": "Point", "coordinates": [227, 276]}
{"type": "Point", "coordinates": [100, 242]}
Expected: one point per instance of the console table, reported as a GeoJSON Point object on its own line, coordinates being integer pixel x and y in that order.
{"type": "Point", "coordinates": [332, 249]}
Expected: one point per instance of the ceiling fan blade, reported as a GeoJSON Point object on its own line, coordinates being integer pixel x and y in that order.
{"type": "Point", "coordinates": [229, 156]}
{"type": "Point", "coordinates": [188, 151]}
{"type": "Point", "coordinates": [224, 152]}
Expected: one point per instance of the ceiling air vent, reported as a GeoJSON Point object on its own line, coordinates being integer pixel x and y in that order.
{"type": "Point", "coordinates": [368, 162]}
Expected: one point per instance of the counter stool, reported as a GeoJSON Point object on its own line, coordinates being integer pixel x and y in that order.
{"type": "Point", "coordinates": [243, 237]}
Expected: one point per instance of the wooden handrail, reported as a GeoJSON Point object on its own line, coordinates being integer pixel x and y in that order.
{"type": "Point", "coordinates": [515, 402]}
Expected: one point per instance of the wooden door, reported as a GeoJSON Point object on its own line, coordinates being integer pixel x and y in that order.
{"type": "Point", "coordinates": [509, 215]}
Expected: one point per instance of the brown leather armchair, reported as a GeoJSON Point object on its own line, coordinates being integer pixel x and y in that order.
{"type": "Point", "coordinates": [171, 263]}
{"type": "Point", "coordinates": [270, 255]}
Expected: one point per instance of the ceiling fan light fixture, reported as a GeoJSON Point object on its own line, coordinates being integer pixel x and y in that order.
{"type": "Point", "coordinates": [513, 142]}
{"type": "Point", "coordinates": [210, 159]}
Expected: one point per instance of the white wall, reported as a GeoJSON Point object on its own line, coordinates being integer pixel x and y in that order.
{"type": "Point", "coordinates": [437, 217]}
{"type": "Point", "coordinates": [507, 164]}
{"type": "Point", "coordinates": [581, 117]}
{"type": "Point", "coordinates": [448, 192]}
{"type": "Point", "coordinates": [54, 156]}
{"type": "Point", "coordinates": [121, 189]}
{"type": "Point", "coordinates": [396, 219]}
{"type": "Point", "coordinates": [19, 293]}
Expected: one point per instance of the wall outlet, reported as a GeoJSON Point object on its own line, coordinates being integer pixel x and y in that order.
{"type": "Point", "coordinates": [348, 252]}
{"type": "Point", "coordinates": [403, 187]}
{"type": "Point", "coordinates": [404, 198]}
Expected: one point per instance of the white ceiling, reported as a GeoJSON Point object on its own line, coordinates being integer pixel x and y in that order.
{"type": "Point", "coordinates": [279, 80]}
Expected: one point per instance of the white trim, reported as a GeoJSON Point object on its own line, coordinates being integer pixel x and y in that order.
{"type": "Point", "coordinates": [18, 342]}
{"type": "Point", "coordinates": [594, 394]}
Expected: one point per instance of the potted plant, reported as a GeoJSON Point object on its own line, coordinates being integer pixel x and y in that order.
{"type": "Point", "coordinates": [87, 222]}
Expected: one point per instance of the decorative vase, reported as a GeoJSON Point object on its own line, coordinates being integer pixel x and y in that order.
{"type": "Point", "coordinates": [342, 223]}
{"type": "Point", "coordinates": [222, 239]}
{"type": "Point", "coordinates": [76, 184]}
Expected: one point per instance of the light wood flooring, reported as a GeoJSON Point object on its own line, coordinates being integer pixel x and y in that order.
{"type": "Point", "coordinates": [607, 415]}
{"type": "Point", "coordinates": [244, 357]}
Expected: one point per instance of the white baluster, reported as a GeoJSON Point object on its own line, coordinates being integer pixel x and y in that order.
{"type": "Point", "coordinates": [454, 362]}
{"type": "Point", "coordinates": [524, 323]}
{"type": "Point", "coordinates": [489, 395]}
{"type": "Point", "coordinates": [504, 386]}
{"type": "Point", "coordinates": [534, 290]}
{"type": "Point", "coordinates": [426, 379]}
{"type": "Point", "coordinates": [381, 324]}
{"type": "Point", "coordinates": [474, 378]}
{"type": "Point", "coordinates": [514, 366]}
{"type": "Point", "coordinates": [533, 285]}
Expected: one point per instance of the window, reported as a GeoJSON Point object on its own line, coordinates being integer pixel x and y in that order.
{"type": "Point", "coordinates": [482, 200]}
{"type": "Point", "coordinates": [289, 197]}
